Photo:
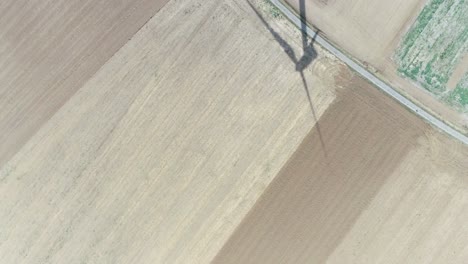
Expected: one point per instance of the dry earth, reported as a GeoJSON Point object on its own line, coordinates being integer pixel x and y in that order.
{"type": "Point", "coordinates": [185, 146]}
{"type": "Point", "coordinates": [49, 49]}
{"type": "Point", "coordinates": [162, 152]}
{"type": "Point", "coordinates": [382, 188]}
{"type": "Point", "coordinates": [370, 31]}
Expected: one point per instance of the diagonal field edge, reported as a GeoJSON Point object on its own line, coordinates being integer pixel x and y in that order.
{"type": "Point", "coordinates": [371, 77]}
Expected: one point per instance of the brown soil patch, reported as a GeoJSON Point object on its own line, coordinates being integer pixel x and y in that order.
{"type": "Point", "coordinates": [325, 186]}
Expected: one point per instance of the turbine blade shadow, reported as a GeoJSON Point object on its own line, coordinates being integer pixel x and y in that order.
{"type": "Point", "coordinates": [309, 54]}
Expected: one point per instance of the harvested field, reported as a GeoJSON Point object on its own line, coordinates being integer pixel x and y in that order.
{"type": "Point", "coordinates": [49, 49]}
{"type": "Point", "coordinates": [385, 188]}
{"type": "Point", "coordinates": [158, 157]}
{"type": "Point", "coordinates": [211, 136]}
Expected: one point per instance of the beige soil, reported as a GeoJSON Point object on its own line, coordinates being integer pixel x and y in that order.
{"type": "Point", "coordinates": [49, 49]}
{"type": "Point", "coordinates": [383, 187]}
{"type": "Point", "coordinates": [159, 156]}
{"type": "Point", "coordinates": [163, 151]}
{"type": "Point", "coordinates": [370, 31]}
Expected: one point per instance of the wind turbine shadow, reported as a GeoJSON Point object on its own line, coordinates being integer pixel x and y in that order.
{"type": "Point", "coordinates": [308, 56]}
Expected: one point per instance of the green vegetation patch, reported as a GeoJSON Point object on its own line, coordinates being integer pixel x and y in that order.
{"type": "Point", "coordinates": [458, 98]}
{"type": "Point", "coordinates": [434, 45]}
{"type": "Point", "coordinates": [272, 9]}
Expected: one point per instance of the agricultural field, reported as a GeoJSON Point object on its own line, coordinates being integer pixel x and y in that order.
{"type": "Point", "coordinates": [209, 131]}
{"type": "Point", "coordinates": [163, 150]}
{"type": "Point", "coordinates": [382, 188]}
{"type": "Point", "coordinates": [436, 43]}
{"type": "Point", "coordinates": [459, 96]}
{"type": "Point", "coordinates": [49, 49]}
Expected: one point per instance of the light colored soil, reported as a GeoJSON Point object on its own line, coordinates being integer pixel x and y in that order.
{"type": "Point", "coordinates": [370, 31]}
{"type": "Point", "coordinates": [163, 151]}
{"type": "Point", "coordinates": [366, 29]}
{"type": "Point", "coordinates": [383, 187]}
{"type": "Point", "coordinates": [49, 49]}
{"type": "Point", "coordinates": [159, 156]}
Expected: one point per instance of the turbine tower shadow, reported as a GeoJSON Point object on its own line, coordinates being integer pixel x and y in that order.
{"type": "Point", "coordinates": [308, 55]}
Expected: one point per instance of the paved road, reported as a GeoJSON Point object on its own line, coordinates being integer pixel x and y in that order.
{"type": "Point", "coordinates": [372, 78]}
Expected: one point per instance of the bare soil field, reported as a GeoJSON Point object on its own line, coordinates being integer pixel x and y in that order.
{"type": "Point", "coordinates": [158, 157]}
{"type": "Point", "coordinates": [371, 32]}
{"type": "Point", "coordinates": [383, 188]}
{"type": "Point", "coordinates": [200, 141]}
{"type": "Point", "coordinates": [49, 49]}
